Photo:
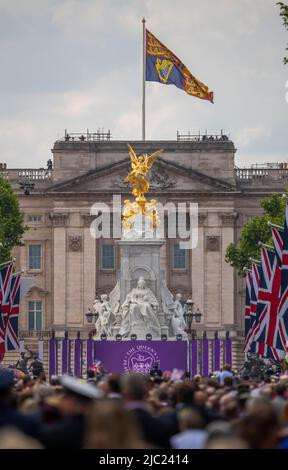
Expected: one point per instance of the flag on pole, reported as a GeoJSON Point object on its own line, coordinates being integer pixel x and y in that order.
{"type": "Point", "coordinates": [278, 239]}
{"type": "Point", "coordinates": [11, 332]}
{"type": "Point", "coordinates": [282, 336]}
{"type": "Point", "coordinates": [247, 304]}
{"type": "Point", "coordinates": [5, 287]}
{"type": "Point", "coordinates": [164, 67]}
{"type": "Point", "coordinates": [256, 272]}
{"type": "Point", "coordinates": [266, 330]}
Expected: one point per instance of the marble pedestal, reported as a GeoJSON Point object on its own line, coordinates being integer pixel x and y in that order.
{"type": "Point", "coordinates": [141, 258]}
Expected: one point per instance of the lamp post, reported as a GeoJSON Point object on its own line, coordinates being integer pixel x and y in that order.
{"type": "Point", "coordinates": [189, 316]}
{"type": "Point", "coordinates": [91, 316]}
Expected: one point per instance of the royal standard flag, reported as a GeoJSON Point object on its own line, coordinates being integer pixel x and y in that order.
{"type": "Point", "coordinates": [164, 67]}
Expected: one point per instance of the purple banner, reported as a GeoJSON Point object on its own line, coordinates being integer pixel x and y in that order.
{"type": "Point", "coordinates": [78, 357]}
{"type": "Point", "coordinates": [228, 351]}
{"type": "Point", "coordinates": [65, 356]}
{"type": "Point", "coordinates": [216, 347]}
{"type": "Point", "coordinates": [139, 356]}
{"type": "Point", "coordinates": [89, 353]}
{"type": "Point", "coordinates": [52, 357]}
{"type": "Point", "coordinates": [194, 357]}
{"type": "Point", "coordinates": [205, 358]}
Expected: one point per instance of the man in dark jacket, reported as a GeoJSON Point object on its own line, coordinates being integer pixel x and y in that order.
{"type": "Point", "coordinates": [9, 416]}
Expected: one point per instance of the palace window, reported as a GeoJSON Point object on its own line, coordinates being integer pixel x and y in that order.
{"type": "Point", "coordinates": [179, 257]}
{"type": "Point", "coordinates": [35, 315]}
{"type": "Point", "coordinates": [35, 218]}
{"type": "Point", "coordinates": [108, 257]}
{"type": "Point", "coordinates": [35, 257]}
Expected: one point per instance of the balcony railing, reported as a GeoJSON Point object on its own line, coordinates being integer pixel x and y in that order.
{"type": "Point", "coordinates": [28, 174]}
{"type": "Point", "coordinates": [247, 174]}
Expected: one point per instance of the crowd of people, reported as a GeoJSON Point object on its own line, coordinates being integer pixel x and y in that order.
{"type": "Point", "coordinates": [134, 411]}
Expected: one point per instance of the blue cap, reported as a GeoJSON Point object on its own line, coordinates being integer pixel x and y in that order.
{"type": "Point", "coordinates": [6, 379]}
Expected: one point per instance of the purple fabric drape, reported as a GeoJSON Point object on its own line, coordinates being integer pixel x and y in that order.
{"type": "Point", "coordinates": [52, 357]}
{"type": "Point", "coordinates": [78, 357]}
{"type": "Point", "coordinates": [216, 347]}
{"type": "Point", "coordinates": [205, 357]}
{"type": "Point", "coordinates": [65, 356]}
{"type": "Point", "coordinates": [89, 353]}
{"type": "Point", "coordinates": [228, 351]}
{"type": "Point", "coordinates": [194, 357]}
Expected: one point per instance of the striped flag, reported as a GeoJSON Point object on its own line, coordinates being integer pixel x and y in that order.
{"type": "Point", "coordinates": [282, 327]}
{"type": "Point", "coordinates": [278, 238]}
{"type": "Point", "coordinates": [255, 279]}
{"type": "Point", "coordinates": [11, 332]}
{"type": "Point", "coordinates": [247, 304]}
{"type": "Point", "coordinates": [268, 301]}
{"type": "Point", "coordinates": [5, 287]}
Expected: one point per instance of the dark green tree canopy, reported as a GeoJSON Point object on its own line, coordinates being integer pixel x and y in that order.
{"type": "Point", "coordinates": [257, 229]}
{"type": "Point", "coordinates": [284, 16]}
{"type": "Point", "coordinates": [12, 227]}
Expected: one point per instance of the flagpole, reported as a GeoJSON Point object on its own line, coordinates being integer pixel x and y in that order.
{"type": "Point", "coordinates": [7, 263]}
{"type": "Point", "coordinates": [143, 81]}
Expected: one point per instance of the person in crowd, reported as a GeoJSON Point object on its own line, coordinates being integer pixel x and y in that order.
{"type": "Point", "coordinates": [193, 434]}
{"type": "Point", "coordinates": [117, 411]}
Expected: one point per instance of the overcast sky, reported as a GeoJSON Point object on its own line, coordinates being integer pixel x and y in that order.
{"type": "Point", "coordinates": [76, 64]}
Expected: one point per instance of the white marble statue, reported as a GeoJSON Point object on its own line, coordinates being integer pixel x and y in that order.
{"type": "Point", "coordinates": [178, 324]}
{"type": "Point", "coordinates": [106, 318]}
{"type": "Point", "coordinates": [139, 312]}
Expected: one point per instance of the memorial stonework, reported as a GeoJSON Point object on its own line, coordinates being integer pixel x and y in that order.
{"type": "Point", "coordinates": [70, 268]}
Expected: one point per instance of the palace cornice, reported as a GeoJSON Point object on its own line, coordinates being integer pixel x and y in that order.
{"type": "Point", "coordinates": [59, 219]}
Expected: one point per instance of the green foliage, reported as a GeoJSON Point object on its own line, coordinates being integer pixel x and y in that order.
{"type": "Point", "coordinates": [12, 227]}
{"type": "Point", "coordinates": [257, 229]}
{"type": "Point", "coordinates": [284, 16]}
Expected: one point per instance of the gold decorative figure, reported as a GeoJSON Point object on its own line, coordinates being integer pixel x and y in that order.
{"type": "Point", "coordinates": [138, 179]}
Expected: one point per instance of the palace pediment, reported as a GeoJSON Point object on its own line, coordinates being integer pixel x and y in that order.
{"type": "Point", "coordinates": [164, 177]}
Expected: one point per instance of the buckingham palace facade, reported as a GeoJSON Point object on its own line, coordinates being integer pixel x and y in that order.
{"type": "Point", "coordinates": [69, 267]}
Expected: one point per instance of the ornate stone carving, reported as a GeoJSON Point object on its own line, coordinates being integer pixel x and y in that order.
{"type": "Point", "coordinates": [212, 243]}
{"type": "Point", "coordinates": [59, 219]}
{"type": "Point", "coordinates": [88, 219]}
{"type": "Point", "coordinates": [201, 218]}
{"type": "Point", "coordinates": [38, 290]}
{"type": "Point", "coordinates": [75, 243]}
{"type": "Point", "coordinates": [228, 218]}
{"type": "Point", "coordinates": [161, 179]}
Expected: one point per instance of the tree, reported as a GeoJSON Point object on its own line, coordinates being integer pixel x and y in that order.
{"type": "Point", "coordinates": [12, 227]}
{"type": "Point", "coordinates": [284, 16]}
{"type": "Point", "coordinates": [257, 229]}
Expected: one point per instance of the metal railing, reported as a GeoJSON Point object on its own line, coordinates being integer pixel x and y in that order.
{"type": "Point", "coordinates": [202, 137]}
{"type": "Point", "coordinates": [87, 136]}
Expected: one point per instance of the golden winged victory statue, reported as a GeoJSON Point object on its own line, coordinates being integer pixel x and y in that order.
{"type": "Point", "coordinates": [138, 179]}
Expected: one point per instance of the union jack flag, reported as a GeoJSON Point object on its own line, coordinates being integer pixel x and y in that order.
{"type": "Point", "coordinates": [247, 304]}
{"type": "Point", "coordinates": [11, 332]}
{"type": "Point", "coordinates": [266, 330]}
{"type": "Point", "coordinates": [255, 279]}
{"type": "Point", "coordinates": [266, 351]}
{"type": "Point", "coordinates": [278, 239]}
{"type": "Point", "coordinates": [282, 335]}
{"type": "Point", "coordinates": [5, 287]}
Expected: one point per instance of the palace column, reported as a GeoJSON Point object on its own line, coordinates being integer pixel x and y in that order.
{"type": "Point", "coordinates": [89, 263]}
{"type": "Point", "coordinates": [197, 267]}
{"type": "Point", "coordinates": [59, 222]}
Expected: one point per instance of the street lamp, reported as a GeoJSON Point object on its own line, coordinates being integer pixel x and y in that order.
{"type": "Point", "coordinates": [189, 316]}
{"type": "Point", "coordinates": [198, 316]}
{"type": "Point", "coordinates": [89, 315]}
